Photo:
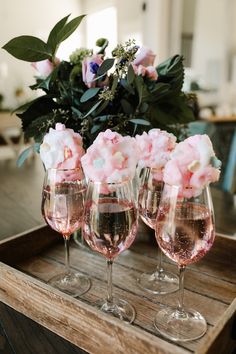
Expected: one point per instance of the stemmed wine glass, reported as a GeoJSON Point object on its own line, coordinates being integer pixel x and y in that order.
{"type": "Point", "coordinates": [185, 232]}
{"type": "Point", "coordinates": [160, 281]}
{"type": "Point", "coordinates": [110, 226]}
{"type": "Point", "coordinates": [62, 207]}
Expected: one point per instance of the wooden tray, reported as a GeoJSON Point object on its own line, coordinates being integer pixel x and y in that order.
{"type": "Point", "coordinates": [30, 259]}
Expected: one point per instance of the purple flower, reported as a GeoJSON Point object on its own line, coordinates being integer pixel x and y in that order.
{"type": "Point", "coordinates": [93, 67]}
{"type": "Point", "coordinates": [90, 67]}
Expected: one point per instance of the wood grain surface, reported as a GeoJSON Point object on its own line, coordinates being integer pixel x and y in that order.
{"type": "Point", "coordinates": [210, 289]}
{"type": "Point", "coordinates": [20, 335]}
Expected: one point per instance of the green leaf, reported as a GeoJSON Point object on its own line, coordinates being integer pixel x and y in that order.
{"type": "Point", "coordinates": [139, 121]}
{"type": "Point", "coordinates": [172, 72]}
{"type": "Point", "coordinates": [28, 48]}
{"type": "Point", "coordinates": [90, 93]}
{"type": "Point", "coordinates": [76, 71]}
{"type": "Point", "coordinates": [160, 87]}
{"type": "Point", "coordinates": [102, 43]}
{"type": "Point", "coordinates": [51, 77]}
{"type": "Point", "coordinates": [68, 29]}
{"type": "Point", "coordinates": [23, 156]}
{"type": "Point", "coordinates": [36, 147]}
{"type": "Point", "coordinates": [139, 85]}
{"type": "Point", "coordinates": [143, 107]}
{"type": "Point", "coordinates": [77, 112]}
{"type": "Point", "coordinates": [52, 42]}
{"type": "Point", "coordinates": [171, 111]}
{"type": "Point", "coordinates": [103, 118]}
{"type": "Point", "coordinates": [95, 128]}
{"type": "Point", "coordinates": [114, 83]}
{"type": "Point", "coordinates": [42, 106]}
{"type": "Point", "coordinates": [102, 107]}
{"type": "Point", "coordinates": [44, 84]}
{"type": "Point", "coordinates": [105, 66]}
{"type": "Point", "coordinates": [39, 127]}
{"type": "Point", "coordinates": [130, 74]}
{"type": "Point", "coordinates": [92, 109]}
{"type": "Point", "coordinates": [127, 107]}
{"type": "Point", "coordinates": [127, 87]}
{"type": "Point", "coordinates": [25, 106]}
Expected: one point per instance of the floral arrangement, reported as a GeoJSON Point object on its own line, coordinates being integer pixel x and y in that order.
{"type": "Point", "coordinates": [91, 93]}
{"type": "Point", "coordinates": [193, 165]}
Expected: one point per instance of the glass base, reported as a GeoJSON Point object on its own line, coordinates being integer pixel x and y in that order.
{"type": "Point", "coordinates": [180, 326]}
{"type": "Point", "coordinates": [118, 308]}
{"type": "Point", "coordinates": [73, 284]}
{"type": "Point", "coordinates": [159, 282]}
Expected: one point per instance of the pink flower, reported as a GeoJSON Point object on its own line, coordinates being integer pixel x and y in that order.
{"type": "Point", "coordinates": [61, 148]}
{"type": "Point", "coordinates": [148, 71]}
{"type": "Point", "coordinates": [193, 166]}
{"type": "Point", "coordinates": [151, 73]}
{"type": "Point", "coordinates": [155, 148]}
{"type": "Point", "coordinates": [139, 70]}
{"type": "Point", "coordinates": [143, 63]}
{"type": "Point", "coordinates": [45, 67]}
{"type": "Point", "coordinates": [90, 66]}
{"type": "Point", "coordinates": [111, 158]}
{"type": "Point", "coordinates": [144, 57]}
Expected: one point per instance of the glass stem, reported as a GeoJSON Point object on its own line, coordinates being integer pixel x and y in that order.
{"type": "Point", "coordinates": [67, 254]}
{"type": "Point", "coordinates": [159, 266]}
{"type": "Point", "coordinates": [181, 289]}
{"type": "Point", "coordinates": [109, 281]}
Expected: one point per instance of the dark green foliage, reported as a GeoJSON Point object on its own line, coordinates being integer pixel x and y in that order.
{"type": "Point", "coordinates": [129, 104]}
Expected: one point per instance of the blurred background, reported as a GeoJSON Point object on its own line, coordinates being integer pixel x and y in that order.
{"type": "Point", "coordinates": [204, 31]}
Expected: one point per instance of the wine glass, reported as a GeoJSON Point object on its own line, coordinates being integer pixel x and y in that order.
{"type": "Point", "coordinates": [185, 232]}
{"type": "Point", "coordinates": [62, 207]}
{"type": "Point", "coordinates": [110, 226]}
{"type": "Point", "coordinates": [160, 281]}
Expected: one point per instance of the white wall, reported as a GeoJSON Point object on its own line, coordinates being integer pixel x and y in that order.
{"type": "Point", "coordinates": [158, 27]}
{"type": "Point", "coordinates": [156, 33]}
{"type": "Point", "coordinates": [148, 27]}
{"type": "Point", "coordinates": [188, 18]}
{"type": "Point", "coordinates": [32, 18]}
{"type": "Point", "coordinates": [129, 16]}
{"type": "Point", "coordinates": [210, 46]}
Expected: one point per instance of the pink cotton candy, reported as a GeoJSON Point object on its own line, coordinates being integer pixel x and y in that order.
{"type": "Point", "coordinates": [155, 148]}
{"type": "Point", "coordinates": [61, 148]}
{"type": "Point", "coordinates": [193, 166]}
{"type": "Point", "coordinates": [111, 158]}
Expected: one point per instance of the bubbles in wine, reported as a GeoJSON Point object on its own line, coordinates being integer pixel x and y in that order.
{"type": "Point", "coordinates": [110, 226]}
{"type": "Point", "coordinates": [188, 237]}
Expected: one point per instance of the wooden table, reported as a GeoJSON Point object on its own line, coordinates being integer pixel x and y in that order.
{"type": "Point", "coordinates": [10, 127]}
{"type": "Point", "coordinates": [222, 119]}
